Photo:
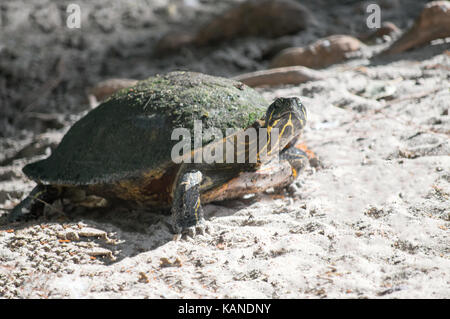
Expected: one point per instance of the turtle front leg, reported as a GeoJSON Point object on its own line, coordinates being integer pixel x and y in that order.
{"type": "Point", "coordinates": [187, 212]}
{"type": "Point", "coordinates": [33, 205]}
{"type": "Point", "coordinates": [297, 158]}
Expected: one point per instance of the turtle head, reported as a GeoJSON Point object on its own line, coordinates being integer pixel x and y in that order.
{"type": "Point", "coordinates": [288, 115]}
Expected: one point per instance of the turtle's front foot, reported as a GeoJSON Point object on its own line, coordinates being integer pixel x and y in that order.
{"type": "Point", "coordinates": [202, 228]}
{"type": "Point", "coordinates": [187, 212]}
{"type": "Point", "coordinates": [296, 157]}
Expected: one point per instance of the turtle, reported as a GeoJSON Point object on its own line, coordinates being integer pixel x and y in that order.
{"type": "Point", "coordinates": [122, 151]}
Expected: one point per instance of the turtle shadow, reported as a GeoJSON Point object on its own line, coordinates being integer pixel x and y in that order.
{"type": "Point", "coordinates": [228, 207]}
{"type": "Point", "coordinates": [118, 232]}
{"type": "Point", "coordinates": [141, 231]}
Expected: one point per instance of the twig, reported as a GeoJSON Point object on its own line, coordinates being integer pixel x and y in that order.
{"type": "Point", "coordinates": [280, 76]}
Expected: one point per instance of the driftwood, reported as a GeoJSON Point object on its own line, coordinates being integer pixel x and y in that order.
{"type": "Point", "coordinates": [433, 23]}
{"type": "Point", "coordinates": [320, 54]}
{"type": "Point", "coordinates": [280, 76]}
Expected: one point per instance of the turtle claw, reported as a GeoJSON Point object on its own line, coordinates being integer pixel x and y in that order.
{"type": "Point", "coordinates": [202, 229]}
{"type": "Point", "coordinates": [191, 231]}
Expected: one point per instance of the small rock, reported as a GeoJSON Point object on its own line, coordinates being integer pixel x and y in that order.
{"type": "Point", "coordinates": [165, 262]}
{"type": "Point", "coordinates": [316, 163]}
{"type": "Point", "coordinates": [98, 251]}
{"type": "Point", "coordinates": [143, 277]}
{"type": "Point", "coordinates": [69, 235]}
{"type": "Point", "coordinates": [320, 54]}
{"type": "Point", "coordinates": [92, 232]}
{"type": "Point", "coordinates": [375, 212]}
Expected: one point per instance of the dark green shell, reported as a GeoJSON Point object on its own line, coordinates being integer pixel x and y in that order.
{"type": "Point", "coordinates": [130, 133]}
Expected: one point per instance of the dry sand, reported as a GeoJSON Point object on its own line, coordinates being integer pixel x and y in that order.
{"type": "Point", "coordinates": [371, 222]}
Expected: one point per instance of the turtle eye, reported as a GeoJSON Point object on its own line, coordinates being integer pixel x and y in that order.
{"type": "Point", "coordinates": [298, 107]}
{"type": "Point", "coordinates": [280, 102]}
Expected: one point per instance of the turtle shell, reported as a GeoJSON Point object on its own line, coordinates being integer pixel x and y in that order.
{"type": "Point", "coordinates": [130, 133]}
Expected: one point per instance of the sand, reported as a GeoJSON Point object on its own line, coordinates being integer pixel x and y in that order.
{"type": "Point", "coordinates": [371, 221]}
